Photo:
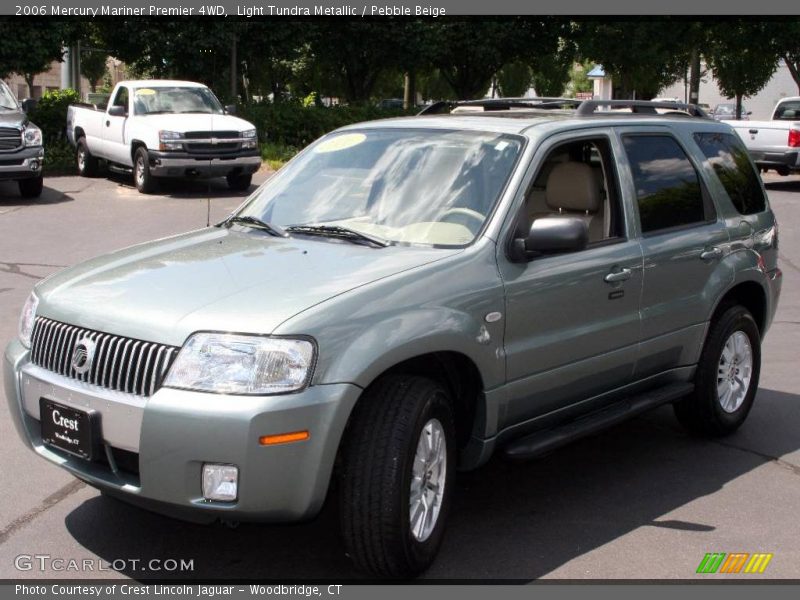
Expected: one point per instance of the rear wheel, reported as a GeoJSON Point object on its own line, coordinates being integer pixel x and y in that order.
{"type": "Point", "coordinates": [239, 183]}
{"type": "Point", "coordinates": [87, 164]}
{"type": "Point", "coordinates": [145, 182]}
{"type": "Point", "coordinates": [31, 188]}
{"type": "Point", "coordinates": [727, 375]}
{"type": "Point", "coordinates": [398, 475]}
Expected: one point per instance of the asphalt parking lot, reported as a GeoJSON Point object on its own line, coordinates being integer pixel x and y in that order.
{"type": "Point", "coordinates": [642, 500]}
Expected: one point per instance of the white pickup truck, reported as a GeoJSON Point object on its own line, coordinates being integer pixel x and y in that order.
{"type": "Point", "coordinates": [164, 129]}
{"type": "Point", "coordinates": [774, 144]}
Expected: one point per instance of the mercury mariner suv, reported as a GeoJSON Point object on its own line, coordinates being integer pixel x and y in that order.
{"type": "Point", "coordinates": [400, 301]}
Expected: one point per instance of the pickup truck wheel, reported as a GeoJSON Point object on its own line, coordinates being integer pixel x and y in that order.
{"type": "Point", "coordinates": [727, 375]}
{"type": "Point", "coordinates": [239, 183]}
{"type": "Point", "coordinates": [398, 476]}
{"type": "Point", "coordinates": [87, 164]}
{"type": "Point", "coordinates": [145, 182]}
{"type": "Point", "coordinates": [31, 188]}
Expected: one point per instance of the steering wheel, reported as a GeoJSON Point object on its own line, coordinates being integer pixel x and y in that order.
{"type": "Point", "coordinates": [464, 212]}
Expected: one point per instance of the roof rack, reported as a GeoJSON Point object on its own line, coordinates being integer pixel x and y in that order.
{"type": "Point", "coordinates": [589, 107]}
{"type": "Point", "coordinates": [492, 104]}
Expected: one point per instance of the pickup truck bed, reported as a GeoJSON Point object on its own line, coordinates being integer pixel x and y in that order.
{"type": "Point", "coordinates": [774, 144]}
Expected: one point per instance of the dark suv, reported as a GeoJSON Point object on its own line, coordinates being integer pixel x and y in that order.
{"type": "Point", "coordinates": [21, 152]}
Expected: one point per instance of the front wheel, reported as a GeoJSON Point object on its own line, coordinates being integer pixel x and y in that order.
{"type": "Point", "coordinates": [727, 375]}
{"type": "Point", "coordinates": [31, 188]}
{"type": "Point", "coordinates": [145, 182]}
{"type": "Point", "coordinates": [398, 476]}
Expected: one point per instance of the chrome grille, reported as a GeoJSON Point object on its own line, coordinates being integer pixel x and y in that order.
{"type": "Point", "coordinates": [119, 363]}
{"type": "Point", "coordinates": [10, 138]}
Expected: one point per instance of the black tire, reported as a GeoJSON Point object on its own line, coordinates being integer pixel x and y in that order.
{"type": "Point", "coordinates": [239, 183]}
{"type": "Point", "coordinates": [31, 188]}
{"type": "Point", "coordinates": [88, 165]}
{"type": "Point", "coordinates": [702, 411]}
{"type": "Point", "coordinates": [376, 475]}
{"type": "Point", "coordinates": [145, 182]}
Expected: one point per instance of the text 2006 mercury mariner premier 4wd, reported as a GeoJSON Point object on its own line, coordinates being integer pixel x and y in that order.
{"type": "Point", "coordinates": [403, 298]}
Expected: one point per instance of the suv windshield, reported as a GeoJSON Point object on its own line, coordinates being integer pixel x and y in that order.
{"type": "Point", "coordinates": [159, 100]}
{"type": "Point", "coordinates": [431, 187]}
{"type": "Point", "coordinates": [7, 100]}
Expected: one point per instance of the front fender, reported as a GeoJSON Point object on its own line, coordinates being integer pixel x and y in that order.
{"type": "Point", "coordinates": [360, 359]}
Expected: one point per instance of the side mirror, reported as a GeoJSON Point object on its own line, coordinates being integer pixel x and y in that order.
{"type": "Point", "coordinates": [230, 109]}
{"type": "Point", "coordinates": [552, 235]}
{"type": "Point", "coordinates": [117, 111]}
{"type": "Point", "coordinates": [28, 105]}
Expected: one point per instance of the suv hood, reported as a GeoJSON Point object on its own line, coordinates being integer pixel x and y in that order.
{"type": "Point", "coordinates": [215, 279]}
{"type": "Point", "coordinates": [196, 122]}
{"type": "Point", "coordinates": [12, 118]}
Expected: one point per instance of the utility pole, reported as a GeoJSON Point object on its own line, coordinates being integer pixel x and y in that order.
{"type": "Point", "coordinates": [234, 76]}
{"type": "Point", "coordinates": [410, 90]}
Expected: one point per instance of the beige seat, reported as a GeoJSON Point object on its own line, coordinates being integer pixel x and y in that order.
{"type": "Point", "coordinates": [572, 190]}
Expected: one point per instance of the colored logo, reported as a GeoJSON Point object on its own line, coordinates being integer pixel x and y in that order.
{"type": "Point", "coordinates": [735, 562]}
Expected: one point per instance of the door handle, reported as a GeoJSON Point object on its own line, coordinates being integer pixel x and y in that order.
{"type": "Point", "coordinates": [711, 254]}
{"type": "Point", "coordinates": [615, 276]}
{"type": "Point", "coordinates": [753, 131]}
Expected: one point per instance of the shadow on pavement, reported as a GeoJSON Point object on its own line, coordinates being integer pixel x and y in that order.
{"type": "Point", "coordinates": [509, 521]}
{"type": "Point", "coordinates": [788, 185]}
{"type": "Point", "coordinates": [10, 196]}
{"type": "Point", "coordinates": [182, 187]}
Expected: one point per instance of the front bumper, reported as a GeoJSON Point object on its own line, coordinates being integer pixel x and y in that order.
{"type": "Point", "coordinates": [158, 445]}
{"type": "Point", "coordinates": [181, 164]}
{"type": "Point", "coordinates": [24, 164]}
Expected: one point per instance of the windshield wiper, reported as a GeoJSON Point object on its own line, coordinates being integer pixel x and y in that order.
{"type": "Point", "coordinates": [337, 231]}
{"type": "Point", "coordinates": [8, 107]}
{"type": "Point", "coordinates": [255, 223]}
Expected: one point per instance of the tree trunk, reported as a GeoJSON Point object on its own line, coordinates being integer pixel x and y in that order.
{"type": "Point", "coordinates": [794, 69]}
{"type": "Point", "coordinates": [694, 78]}
{"type": "Point", "coordinates": [29, 80]}
{"type": "Point", "coordinates": [410, 90]}
{"type": "Point", "coordinates": [738, 106]}
{"type": "Point", "coordinates": [234, 76]}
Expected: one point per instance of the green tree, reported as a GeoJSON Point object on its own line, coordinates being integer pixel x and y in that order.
{"type": "Point", "coordinates": [787, 42]}
{"type": "Point", "coordinates": [742, 56]}
{"type": "Point", "coordinates": [93, 56]}
{"type": "Point", "coordinates": [578, 78]}
{"type": "Point", "coordinates": [514, 79]}
{"type": "Point", "coordinates": [642, 57]}
{"type": "Point", "coordinates": [28, 46]}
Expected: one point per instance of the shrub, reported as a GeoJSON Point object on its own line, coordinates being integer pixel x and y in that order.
{"type": "Point", "coordinates": [50, 114]}
{"type": "Point", "coordinates": [59, 158]}
{"type": "Point", "coordinates": [296, 125]}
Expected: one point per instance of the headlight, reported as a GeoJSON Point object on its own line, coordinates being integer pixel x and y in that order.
{"type": "Point", "coordinates": [32, 136]}
{"type": "Point", "coordinates": [242, 364]}
{"type": "Point", "coordinates": [249, 139]}
{"type": "Point", "coordinates": [26, 320]}
{"type": "Point", "coordinates": [166, 140]}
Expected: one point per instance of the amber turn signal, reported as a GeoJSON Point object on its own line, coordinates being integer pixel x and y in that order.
{"type": "Point", "coordinates": [283, 438]}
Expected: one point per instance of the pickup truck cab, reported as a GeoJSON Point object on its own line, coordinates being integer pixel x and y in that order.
{"type": "Point", "coordinates": [774, 144]}
{"type": "Point", "coordinates": [164, 129]}
{"type": "Point", "coordinates": [21, 150]}
{"type": "Point", "coordinates": [404, 298]}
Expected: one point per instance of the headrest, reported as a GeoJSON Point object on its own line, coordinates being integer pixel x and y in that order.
{"type": "Point", "coordinates": [572, 186]}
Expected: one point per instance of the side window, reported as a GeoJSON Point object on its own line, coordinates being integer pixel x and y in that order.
{"type": "Point", "coordinates": [577, 179]}
{"type": "Point", "coordinates": [121, 99]}
{"type": "Point", "coordinates": [728, 157]}
{"type": "Point", "coordinates": [668, 187]}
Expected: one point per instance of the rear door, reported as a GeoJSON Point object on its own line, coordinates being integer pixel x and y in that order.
{"type": "Point", "coordinates": [683, 240]}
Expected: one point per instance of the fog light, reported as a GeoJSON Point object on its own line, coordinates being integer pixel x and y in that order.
{"type": "Point", "coordinates": [34, 165]}
{"type": "Point", "coordinates": [220, 482]}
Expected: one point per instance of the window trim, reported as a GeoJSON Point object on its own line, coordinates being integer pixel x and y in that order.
{"type": "Point", "coordinates": [705, 196]}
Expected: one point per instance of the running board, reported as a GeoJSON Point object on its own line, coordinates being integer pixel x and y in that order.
{"type": "Point", "coordinates": [120, 170]}
{"type": "Point", "coordinates": [541, 442]}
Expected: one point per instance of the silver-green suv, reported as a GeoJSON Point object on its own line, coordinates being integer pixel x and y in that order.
{"type": "Point", "coordinates": [403, 298]}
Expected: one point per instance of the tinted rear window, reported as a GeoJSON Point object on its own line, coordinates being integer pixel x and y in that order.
{"type": "Point", "coordinates": [730, 161]}
{"type": "Point", "coordinates": [788, 111]}
{"type": "Point", "coordinates": [667, 185]}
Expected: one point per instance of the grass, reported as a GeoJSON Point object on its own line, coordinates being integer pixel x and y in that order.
{"type": "Point", "coordinates": [276, 155]}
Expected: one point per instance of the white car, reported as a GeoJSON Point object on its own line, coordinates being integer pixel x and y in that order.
{"type": "Point", "coordinates": [774, 144]}
{"type": "Point", "coordinates": [164, 129]}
